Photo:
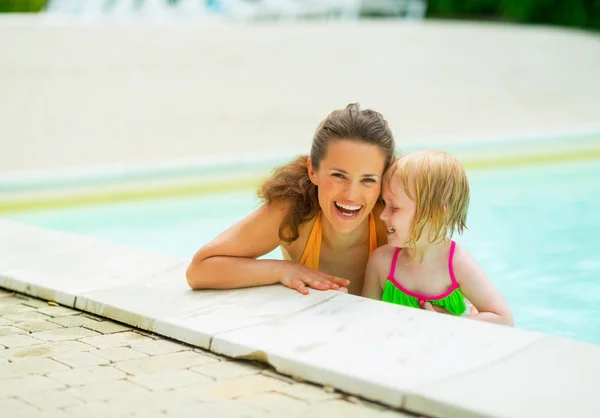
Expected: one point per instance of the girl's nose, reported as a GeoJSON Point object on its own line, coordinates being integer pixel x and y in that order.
{"type": "Point", "coordinates": [384, 215]}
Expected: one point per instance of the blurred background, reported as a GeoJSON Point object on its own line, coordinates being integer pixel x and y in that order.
{"type": "Point", "coordinates": [111, 80]}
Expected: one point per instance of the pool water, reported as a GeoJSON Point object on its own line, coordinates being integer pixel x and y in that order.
{"type": "Point", "coordinates": [535, 230]}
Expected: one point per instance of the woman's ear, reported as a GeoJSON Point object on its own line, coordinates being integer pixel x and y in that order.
{"type": "Point", "coordinates": [312, 174]}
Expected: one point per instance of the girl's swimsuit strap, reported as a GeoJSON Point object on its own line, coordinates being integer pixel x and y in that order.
{"type": "Point", "coordinates": [422, 298]}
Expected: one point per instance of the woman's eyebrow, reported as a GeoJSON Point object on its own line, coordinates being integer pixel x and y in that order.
{"type": "Point", "coordinates": [345, 172]}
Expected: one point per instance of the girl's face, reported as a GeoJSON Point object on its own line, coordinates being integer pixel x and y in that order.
{"type": "Point", "coordinates": [398, 214]}
{"type": "Point", "coordinates": [349, 182]}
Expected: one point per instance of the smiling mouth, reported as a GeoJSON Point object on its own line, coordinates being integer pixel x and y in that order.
{"type": "Point", "coordinates": [348, 211]}
{"type": "Point", "coordinates": [390, 230]}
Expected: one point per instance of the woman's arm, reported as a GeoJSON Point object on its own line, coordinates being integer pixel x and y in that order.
{"type": "Point", "coordinates": [478, 288]}
{"type": "Point", "coordinates": [229, 261]}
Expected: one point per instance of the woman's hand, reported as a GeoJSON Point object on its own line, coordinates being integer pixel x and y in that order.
{"type": "Point", "coordinates": [298, 277]}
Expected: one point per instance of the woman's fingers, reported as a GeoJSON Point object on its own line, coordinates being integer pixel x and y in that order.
{"type": "Point", "coordinates": [318, 284]}
{"type": "Point", "coordinates": [333, 282]}
{"type": "Point", "coordinates": [339, 281]}
{"type": "Point", "coordinates": [299, 286]}
{"type": "Point", "coordinates": [316, 280]}
{"type": "Point", "coordinates": [332, 285]}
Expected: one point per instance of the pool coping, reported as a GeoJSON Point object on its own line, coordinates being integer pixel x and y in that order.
{"type": "Point", "coordinates": [23, 191]}
{"type": "Point", "coordinates": [418, 361]}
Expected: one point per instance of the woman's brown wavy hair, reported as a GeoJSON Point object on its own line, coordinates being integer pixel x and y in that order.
{"type": "Point", "coordinates": [291, 182]}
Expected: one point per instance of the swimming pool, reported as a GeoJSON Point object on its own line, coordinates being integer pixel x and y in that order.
{"type": "Point", "coordinates": [534, 229]}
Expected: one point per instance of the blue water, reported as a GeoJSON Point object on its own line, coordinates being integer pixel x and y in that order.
{"type": "Point", "coordinates": [535, 230]}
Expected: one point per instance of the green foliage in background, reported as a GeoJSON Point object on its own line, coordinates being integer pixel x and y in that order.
{"type": "Point", "coordinates": [21, 6]}
{"type": "Point", "coordinates": [574, 13]}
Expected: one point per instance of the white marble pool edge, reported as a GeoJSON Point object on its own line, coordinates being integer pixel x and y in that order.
{"type": "Point", "coordinates": [417, 361]}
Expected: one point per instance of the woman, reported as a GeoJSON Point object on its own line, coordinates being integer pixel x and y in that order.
{"type": "Point", "coordinates": [322, 211]}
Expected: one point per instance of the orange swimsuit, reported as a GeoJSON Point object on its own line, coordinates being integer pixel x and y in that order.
{"type": "Point", "coordinates": [312, 251]}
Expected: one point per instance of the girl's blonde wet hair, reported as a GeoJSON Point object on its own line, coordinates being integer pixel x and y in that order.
{"type": "Point", "coordinates": [437, 182]}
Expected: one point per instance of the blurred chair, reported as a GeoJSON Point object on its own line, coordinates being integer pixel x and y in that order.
{"type": "Point", "coordinates": [241, 9]}
{"type": "Point", "coordinates": [348, 9]}
{"type": "Point", "coordinates": [409, 9]}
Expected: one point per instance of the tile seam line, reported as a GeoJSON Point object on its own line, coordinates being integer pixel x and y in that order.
{"type": "Point", "coordinates": [463, 410]}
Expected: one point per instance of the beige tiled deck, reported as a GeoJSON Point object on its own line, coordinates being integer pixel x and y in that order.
{"type": "Point", "coordinates": [83, 365]}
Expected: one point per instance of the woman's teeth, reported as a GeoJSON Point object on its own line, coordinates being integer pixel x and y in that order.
{"type": "Point", "coordinates": [391, 230]}
{"type": "Point", "coordinates": [348, 210]}
{"type": "Point", "coordinates": [348, 207]}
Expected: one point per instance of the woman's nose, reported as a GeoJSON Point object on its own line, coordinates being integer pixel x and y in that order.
{"type": "Point", "coordinates": [352, 191]}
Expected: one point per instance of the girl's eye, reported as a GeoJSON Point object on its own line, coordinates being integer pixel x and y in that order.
{"type": "Point", "coordinates": [339, 175]}
{"type": "Point", "coordinates": [370, 180]}
{"type": "Point", "coordinates": [389, 205]}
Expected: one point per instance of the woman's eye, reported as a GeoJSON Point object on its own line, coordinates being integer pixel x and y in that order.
{"type": "Point", "coordinates": [368, 180]}
{"type": "Point", "coordinates": [339, 175]}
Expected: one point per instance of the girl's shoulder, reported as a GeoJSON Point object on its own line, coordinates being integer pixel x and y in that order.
{"type": "Point", "coordinates": [381, 259]}
{"type": "Point", "coordinates": [464, 264]}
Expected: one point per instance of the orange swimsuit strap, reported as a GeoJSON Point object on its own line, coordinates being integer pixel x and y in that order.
{"type": "Point", "coordinates": [312, 250]}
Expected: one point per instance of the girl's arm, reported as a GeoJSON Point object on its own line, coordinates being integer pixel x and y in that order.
{"type": "Point", "coordinates": [229, 261]}
{"type": "Point", "coordinates": [478, 288]}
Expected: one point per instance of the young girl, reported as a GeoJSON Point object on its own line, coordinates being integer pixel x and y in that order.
{"type": "Point", "coordinates": [426, 197]}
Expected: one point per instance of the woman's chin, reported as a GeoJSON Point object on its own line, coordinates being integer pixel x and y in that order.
{"type": "Point", "coordinates": [343, 223]}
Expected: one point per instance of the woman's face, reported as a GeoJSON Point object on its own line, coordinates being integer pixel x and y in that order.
{"type": "Point", "coordinates": [349, 182]}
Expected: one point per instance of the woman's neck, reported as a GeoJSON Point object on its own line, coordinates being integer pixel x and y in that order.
{"type": "Point", "coordinates": [336, 240]}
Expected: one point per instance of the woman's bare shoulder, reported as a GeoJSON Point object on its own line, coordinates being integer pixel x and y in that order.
{"type": "Point", "coordinates": [295, 249]}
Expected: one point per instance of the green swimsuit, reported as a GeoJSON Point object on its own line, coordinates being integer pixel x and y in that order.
{"type": "Point", "coordinates": [451, 300]}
